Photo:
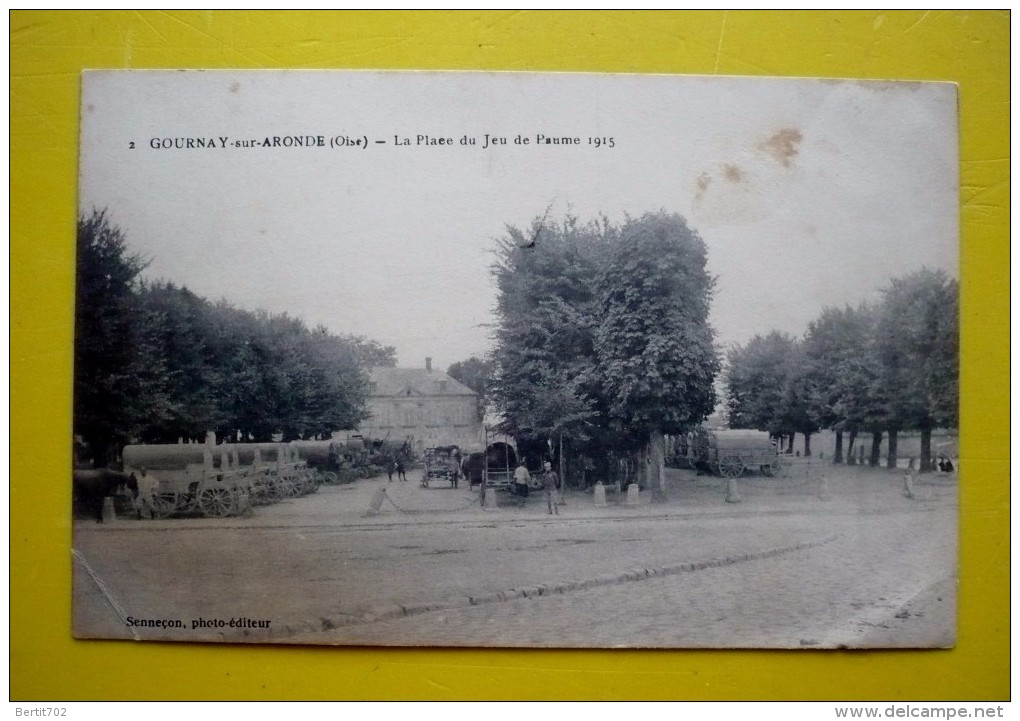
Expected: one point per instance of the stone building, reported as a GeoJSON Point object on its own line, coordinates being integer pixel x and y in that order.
{"type": "Point", "coordinates": [423, 405]}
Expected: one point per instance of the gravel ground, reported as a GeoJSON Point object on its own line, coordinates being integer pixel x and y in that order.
{"type": "Point", "coordinates": [797, 564]}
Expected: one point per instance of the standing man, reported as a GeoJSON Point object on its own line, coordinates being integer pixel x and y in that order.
{"type": "Point", "coordinates": [521, 479]}
{"type": "Point", "coordinates": [148, 487]}
{"type": "Point", "coordinates": [549, 483]}
{"type": "Point", "coordinates": [390, 467]}
{"type": "Point", "coordinates": [401, 476]}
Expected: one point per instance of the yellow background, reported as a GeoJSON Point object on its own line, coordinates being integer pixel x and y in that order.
{"type": "Point", "coordinates": [48, 49]}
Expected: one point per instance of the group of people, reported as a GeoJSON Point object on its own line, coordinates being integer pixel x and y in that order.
{"type": "Point", "coordinates": [396, 466]}
{"type": "Point", "coordinates": [550, 484]}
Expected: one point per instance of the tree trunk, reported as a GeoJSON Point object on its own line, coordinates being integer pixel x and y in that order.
{"type": "Point", "coordinates": [926, 465]}
{"type": "Point", "coordinates": [838, 455]}
{"type": "Point", "coordinates": [789, 448]}
{"type": "Point", "coordinates": [850, 459]}
{"type": "Point", "coordinates": [656, 461]}
{"type": "Point", "coordinates": [807, 445]}
{"type": "Point", "coordinates": [890, 460]}
{"type": "Point", "coordinates": [876, 449]}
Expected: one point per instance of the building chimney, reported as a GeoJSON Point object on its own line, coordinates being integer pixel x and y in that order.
{"type": "Point", "coordinates": [428, 364]}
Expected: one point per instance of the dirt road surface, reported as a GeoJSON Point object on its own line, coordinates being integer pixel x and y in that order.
{"type": "Point", "coordinates": [853, 563]}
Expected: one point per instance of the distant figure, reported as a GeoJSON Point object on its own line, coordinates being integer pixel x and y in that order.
{"type": "Point", "coordinates": [148, 487]}
{"type": "Point", "coordinates": [521, 479]}
{"type": "Point", "coordinates": [945, 465]}
{"type": "Point", "coordinates": [390, 467]}
{"type": "Point", "coordinates": [549, 483]}
{"type": "Point", "coordinates": [400, 470]}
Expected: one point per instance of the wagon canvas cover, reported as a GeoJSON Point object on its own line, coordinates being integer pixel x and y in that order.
{"type": "Point", "coordinates": [251, 244]}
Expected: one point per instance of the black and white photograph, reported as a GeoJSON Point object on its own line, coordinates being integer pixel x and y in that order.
{"type": "Point", "coordinates": [539, 360]}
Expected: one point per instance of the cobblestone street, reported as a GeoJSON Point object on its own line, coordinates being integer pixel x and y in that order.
{"type": "Point", "coordinates": [783, 568]}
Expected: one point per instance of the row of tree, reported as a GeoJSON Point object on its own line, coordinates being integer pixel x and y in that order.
{"type": "Point", "coordinates": [602, 335]}
{"type": "Point", "coordinates": [156, 363]}
{"type": "Point", "coordinates": [878, 369]}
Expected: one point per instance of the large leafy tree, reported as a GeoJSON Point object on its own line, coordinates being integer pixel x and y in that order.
{"type": "Point", "coordinates": [918, 347]}
{"type": "Point", "coordinates": [117, 374]}
{"type": "Point", "coordinates": [180, 330]}
{"type": "Point", "coordinates": [768, 387]}
{"type": "Point", "coordinates": [655, 351]}
{"type": "Point", "coordinates": [839, 372]}
{"type": "Point", "coordinates": [544, 365]}
{"type": "Point", "coordinates": [756, 379]}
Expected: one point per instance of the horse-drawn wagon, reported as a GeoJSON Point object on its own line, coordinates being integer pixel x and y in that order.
{"type": "Point", "coordinates": [729, 453]}
{"type": "Point", "coordinates": [442, 463]}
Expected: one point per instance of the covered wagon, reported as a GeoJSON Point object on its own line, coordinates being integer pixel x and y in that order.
{"type": "Point", "coordinates": [730, 453]}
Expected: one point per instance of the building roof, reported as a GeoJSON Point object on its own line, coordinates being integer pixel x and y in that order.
{"type": "Point", "coordinates": [415, 382]}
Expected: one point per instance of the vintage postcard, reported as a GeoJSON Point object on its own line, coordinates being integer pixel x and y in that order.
{"type": "Point", "coordinates": [516, 360]}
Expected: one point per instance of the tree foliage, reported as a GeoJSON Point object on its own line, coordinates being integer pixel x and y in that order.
{"type": "Point", "coordinates": [545, 376]}
{"type": "Point", "coordinates": [156, 363]}
{"type": "Point", "coordinates": [656, 357]}
{"type": "Point", "coordinates": [602, 332]}
{"type": "Point", "coordinates": [874, 368]}
{"type": "Point", "coordinates": [113, 363]}
{"type": "Point", "coordinates": [477, 374]}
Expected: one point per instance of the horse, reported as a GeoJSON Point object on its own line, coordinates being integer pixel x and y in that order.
{"type": "Point", "coordinates": [92, 487]}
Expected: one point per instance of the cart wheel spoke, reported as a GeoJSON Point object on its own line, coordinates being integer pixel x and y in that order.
{"type": "Point", "coordinates": [215, 502]}
{"type": "Point", "coordinates": [731, 466]}
{"type": "Point", "coordinates": [164, 504]}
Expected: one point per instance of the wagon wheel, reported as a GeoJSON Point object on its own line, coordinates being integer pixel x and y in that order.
{"type": "Point", "coordinates": [290, 488]}
{"type": "Point", "coordinates": [259, 492]}
{"type": "Point", "coordinates": [776, 466]}
{"type": "Point", "coordinates": [164, 504]}
{"type": "Point", "coordinates": [216, 502]}
{"type": "Point", "coordinates": [276, 488]}
{"type": "Point", "coordinates": [330, 477]}
{"type": "Point", "coordinates": [731, 466]}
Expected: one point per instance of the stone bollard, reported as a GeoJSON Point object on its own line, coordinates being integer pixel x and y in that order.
{"type": "Point", "coordinates": [823, 488]}
{"type": "Point", "coordinates": [633, 494]}
{"type": "Point", "coordinates": [600, 495]}
{"type": "Point", "coordinates": [109, 514]}
{"type": "Point", "coordinates": [908, 485]}
{"type": "Point", "coordinates": [244, 504]}
{"type": "Point", "coordinates": [732, 491]}
{"type": "Point", "coordinates": [489, 500]}
{"type": "Point", "coordinates": [376, 503]}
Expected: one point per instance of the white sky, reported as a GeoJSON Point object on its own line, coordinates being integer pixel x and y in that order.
{"type": "Point", "coordinates": [808, 193]}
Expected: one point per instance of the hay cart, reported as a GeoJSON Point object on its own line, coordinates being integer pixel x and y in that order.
{"type": "Point", "coordinates": [730, 453]}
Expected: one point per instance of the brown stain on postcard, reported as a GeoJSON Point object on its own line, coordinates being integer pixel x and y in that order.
{"type": "Point", "coordinates": [782, 145]}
